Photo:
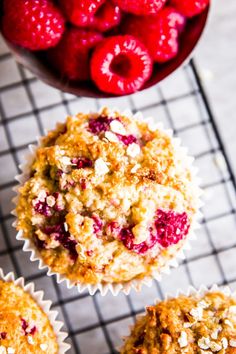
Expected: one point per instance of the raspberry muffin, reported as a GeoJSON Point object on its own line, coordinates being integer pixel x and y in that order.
{"type": "Point", "coordinates": [24, 327]}
{"type": "Point", "coordinates": [107, 199]}
{"type": "Point", "coordinates": [187, 324]}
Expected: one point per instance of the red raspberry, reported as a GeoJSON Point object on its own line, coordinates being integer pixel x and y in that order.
{"type": "Point", "coordinates": [120, 65]}
{"type": "Point", "coordinates": [59, 233]}
{"type": "Point", "coordinates": [170, 227]}
{"type": "Point", "coordinates": [3, 335]}
{"type": "Point", "coordinates": [82, 162]}
{"type": "Point", "coordinates": [100, 124]}
{"type": "Point", "coordinates": [35, 24]}
{"type": "Point", "coordinates": [190, 8]}
{"type": "Point", "coordinates": [127, 139]}
{"type": "Point", "coordinates": [98, 224]}
{"type": "Point", "coordinates": [27, 330]}
{"type": "Point", "coordinates": [78, 12]}
{"type": "Point", "coordinates": [141, 7]}
{"type": "Point", "coordinates": [172, 18]}
{"type": "Point", "coordinates": [106, 17]}
{"type": "Point", "coordinates": [71, 56]}
{"type": "Point", "coordinates": [160, 39]}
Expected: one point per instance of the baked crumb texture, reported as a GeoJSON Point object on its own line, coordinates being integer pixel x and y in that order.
{"type": "Point", "coordinates": [24, 327]}
{"type": "Point", "coordinates": [107, 200]}
{"type": "Point", "coordinates": [187, 324]}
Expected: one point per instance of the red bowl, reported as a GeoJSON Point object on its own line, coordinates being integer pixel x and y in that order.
{"type": "Point", "coordinates": [38, 66]}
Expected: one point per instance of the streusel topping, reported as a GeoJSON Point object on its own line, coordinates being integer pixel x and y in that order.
{"type": "Point", "coordinates": [187, 324]}
{"type": "Point", "coordinates": [107, 199]}
{"type": "Point", "coordinates": [24, 327]}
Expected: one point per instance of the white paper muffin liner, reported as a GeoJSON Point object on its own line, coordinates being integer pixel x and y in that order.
{"type": "Point", "coordinates": [136, 284]}
{"type": "Point", "coordinates": [191, 291]}
{"type": "Point", "coordinates": [45, 305]}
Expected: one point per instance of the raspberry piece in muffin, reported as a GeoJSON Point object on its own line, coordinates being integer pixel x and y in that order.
{"type": "Point", "coordinates": [127, 199]}
{"type": "Point", "coordinates": [186, 324]}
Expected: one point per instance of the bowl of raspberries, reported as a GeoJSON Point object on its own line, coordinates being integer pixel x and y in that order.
{"type": "Point", "coordinates": [102, 48]}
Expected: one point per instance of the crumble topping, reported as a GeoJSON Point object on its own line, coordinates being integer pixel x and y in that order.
{"type": "Point", "coordinates": [162, 330]}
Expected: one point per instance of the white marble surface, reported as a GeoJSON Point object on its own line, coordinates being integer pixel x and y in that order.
{"type": "Point", "coordinates": [216, 56]}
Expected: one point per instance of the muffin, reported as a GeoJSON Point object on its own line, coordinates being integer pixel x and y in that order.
{"type": "Point", "coordinates": [195, 324]}
{"type": "Point", "coordinates": [107, 199]}
{"type": "Point", "coordinates": [24, 326]}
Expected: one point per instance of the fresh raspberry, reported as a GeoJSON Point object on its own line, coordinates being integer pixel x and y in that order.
{"type": "Point", "coordinates": [35, 24]}
{"type": "Point", "coordinates": [71, 56]}
{"type": "Point", "coordinates": [82, 162]}
{"type": "Point", "coordinates": [141, 7]}
{"type": "Point", "coordinates": [107, 16]}
{"type": "Point", "coordinates": [99, 125]}
{"type": "Point", "coordinates": [160, 39]}
{"type": "Point", "coordinates": [120, 65]}
{"type": "Point", "coordinates": [169, 16]}
{"type": "Point", "coordinates": [170, 227]}
{"type": "Point", "coordinates": [190, 8]}
{"type": "Point", "coordinates": [78, 12]}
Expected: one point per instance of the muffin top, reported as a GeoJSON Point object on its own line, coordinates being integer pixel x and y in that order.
{"type": "Point", "coordinates": [187, 324]}
{"type": "Point", "coordinates": [24, 327]}
{"type": "Point", "coordinates": [107, 199]}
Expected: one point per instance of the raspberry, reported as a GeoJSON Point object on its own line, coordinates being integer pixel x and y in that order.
{"type": "Point", "coordinates": [79, 12]}
{"type": "Point", "coordinates": [190, 8]}
{"type": "Point", "coordinates": [170, 227]}
{"type": "Point", "coordinates": [59, 233]}
{"type": "Point", "coordinates": [107, 17]}
{"type": "Point", "coordinates": [35, 24]}
{"type": "Point", "coordinates": [141, 7]}
{"type": "Point", "coordinates": [82, 162]}
{"type": "Point", "coordinates": [3, 335]}
{"type": "Point", "coordinates": [99, 125]}
{"type": "Point", "coordinates": [120, 65]}
{"type": "Point", "coordinates": [172, 18]}
{"type": "Point", "coordinates": [160, 39]}
{"type": "Point", "coordinates": [71, 56]}
{"type": "Point", "coordinates": [43, 209]}
{"type": "Point", "coordinates": [25, 327]}
{"type": "Point", "coordinates": [127, 139]}
{"type": "Point", "coordinates": [98, 224]}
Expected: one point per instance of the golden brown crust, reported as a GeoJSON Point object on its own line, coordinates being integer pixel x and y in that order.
{"type": "Point", "coordinates": [123, 184]}
{"type": "Point", "coordinates": [192, 325]}
{"type": "Point", "coordinates": [24, 327]}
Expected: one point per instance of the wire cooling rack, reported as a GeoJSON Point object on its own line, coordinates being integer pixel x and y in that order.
{"type": "Point", "coordinates": [27, 107]}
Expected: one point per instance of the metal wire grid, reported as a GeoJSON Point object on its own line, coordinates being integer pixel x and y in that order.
{"type": "Point", "coordinates": [27, 106]}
